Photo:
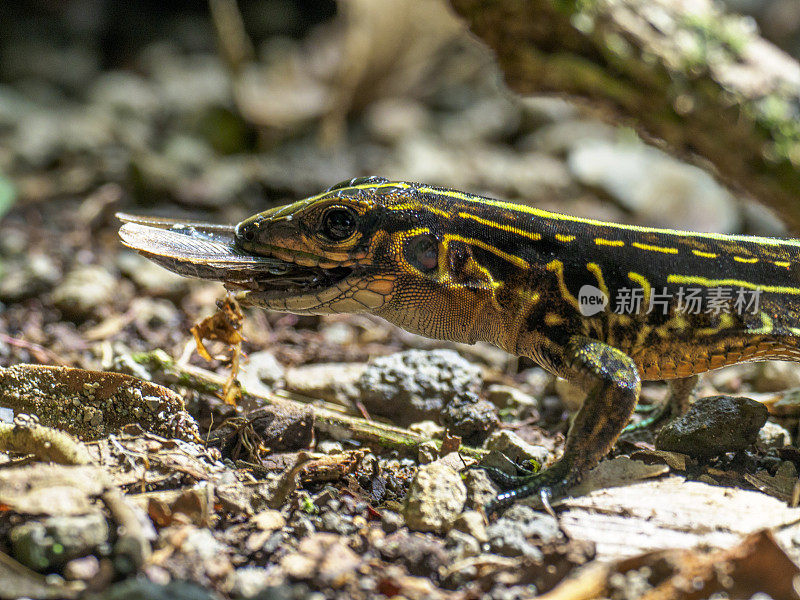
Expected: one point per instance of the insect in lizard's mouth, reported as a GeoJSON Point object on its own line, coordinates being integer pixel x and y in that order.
{"type": "Point", "coordinates": [207, 251]}
{"type": "Point", "coordinates": [296, 280]}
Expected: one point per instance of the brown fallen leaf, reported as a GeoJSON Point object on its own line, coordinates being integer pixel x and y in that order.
{"type": "Point", "coordinates": [450, 443]}
{"type": "Point", "coordinates": [756, 564]}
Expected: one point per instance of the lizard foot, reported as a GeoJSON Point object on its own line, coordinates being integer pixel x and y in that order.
{"type": "Point", "coordinates": [549, 484]}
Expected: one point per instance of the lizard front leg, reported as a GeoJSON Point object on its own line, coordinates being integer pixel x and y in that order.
{"type": "Point", "coordinates": [612, 382]}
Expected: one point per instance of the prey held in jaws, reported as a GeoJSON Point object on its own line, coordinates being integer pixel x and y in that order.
{"type": "Point", "coordinates": [205, 251]}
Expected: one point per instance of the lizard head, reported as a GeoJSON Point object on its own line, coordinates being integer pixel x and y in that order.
{"type": "Point", "coordinates": [348, 248]}
{"type": "Point", "coordinates": [371, 245]}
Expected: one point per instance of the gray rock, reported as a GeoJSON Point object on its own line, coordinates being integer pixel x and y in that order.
{"type": "Point", "coordinates": [156, 314]}
{"type": "Point", "coordinates": [429, 429]}
{"type": "Point", "coordinates": [14, 242]}
{"type": "Point", "coordinates": [416, 385]}
{"type": "Point", "coordinates": [515, 448]}
{"type": "Point", "coordinates": [473, 523]}
{"type": "Point", "coordinates": [539, 110]}
{"type": "Point", "coordinates": [514, 592]}
{"type": "Point", "coordinates": [480, 489]}
{"type": "Point", "coordinates": [13, 105]}
{"type": "Point", "coordinates": [246, 582]}
{"type": "Point", "coordinates": [261, 372]}
{"type": "Point", "coordinates": [422, 555]}
{"type": "Point", "coordinates": [489, 118]}
{"type": "Point", "coordinates": [520, 529]}
{"type": "Point", "coordinates": [301, 525]}
{"type": "Point", "coordinates": [660, 190]}
{"type": "Point", "coordinates": [460, 545]}
{"type": "Point", "coordinates": [391, 521]}
{"type": "Point", "coordinates": [427, 452]}
{"type": "Point", "coordinates": [329, 447]}
{"type": "Point", "coordinates": [435, 498]}
{"type": "Point", "coordinates": [538, 381]}
{"type": "Point", "coordinates": [335, 522]}
{"type": "Point", "coordinates": [772, 435]}
{"type": "Point", "coordinates": [321, 557]}
{"type": "Point", "coordinates": [148, 276]}
{"type": "Point", "coordinates": [335, 382]}
{"type": "Point", "coordinates": [506, 396]}
{"type": "Point", "coordinates": [201, 544]}
{"type": "Point", "coordinates": [82, 569]}
{"type": "Point", "coordinates": [126, 93]}
{"type": "Point", "coordinates": [27, 276]}
{"type": "Point", "coordinates": [393, 119]}
{"type": "Point", "coordinates": [776, 376]}
{"type": "Point", "coordinates": [49, 543]}
{"type": "Point", "coordinates": [562, 136]}
{"type": "Point", "coordinates": [84, 289]}
{"type": "Point", "coordinates": [280, 427]}
{"type": "Point", "coordinates": [713, 426]}
{"type": "Point", "coordinates": [339, 333]}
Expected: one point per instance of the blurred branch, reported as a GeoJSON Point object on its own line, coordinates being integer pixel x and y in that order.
{"type": "Point", "coordinates": [679, 71]}
{"type": "Point", "coordinates": [234, 44]}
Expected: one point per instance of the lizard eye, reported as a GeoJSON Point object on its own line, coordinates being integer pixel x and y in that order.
{"type": "Point", "coordinates": [422, 252]}
{"type": "Point", "coordinates": [246, 231]}
{"type": "Point", "coordinates": [338, 224]}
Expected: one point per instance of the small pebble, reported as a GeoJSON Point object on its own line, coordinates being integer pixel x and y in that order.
{"type": "Point", "coordinates": [435, 498]}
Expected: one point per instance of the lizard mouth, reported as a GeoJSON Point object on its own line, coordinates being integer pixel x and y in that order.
{"type": "Point", "coordinates": [208, 251]}
{"type": "Point", "coordinates": [296, 281]}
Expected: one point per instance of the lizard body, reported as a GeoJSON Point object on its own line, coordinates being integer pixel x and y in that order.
{"type": "Point", "coordinates": [603, 305]}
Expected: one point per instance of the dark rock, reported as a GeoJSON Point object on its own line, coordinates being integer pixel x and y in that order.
{"type": "Point", "coordinates": [470, 418]}
{"type": "Point", "coordinates": [416, 385]}
{"type": "Point", "coordinates": [278, 427]}
{"type": "Point", "coordinates": [713, 426]}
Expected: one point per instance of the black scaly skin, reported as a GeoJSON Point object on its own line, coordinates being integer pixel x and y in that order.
{"type": "Point", "coordinates": [453, 266]}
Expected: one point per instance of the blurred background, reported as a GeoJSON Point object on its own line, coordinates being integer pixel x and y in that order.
{"type": "Point", "coordinates": [217, 110]}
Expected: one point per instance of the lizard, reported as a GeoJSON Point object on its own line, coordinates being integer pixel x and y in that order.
{"type": "Point", "coordinates": [603, 305]}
